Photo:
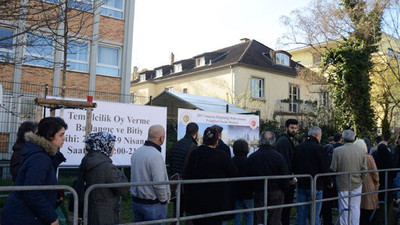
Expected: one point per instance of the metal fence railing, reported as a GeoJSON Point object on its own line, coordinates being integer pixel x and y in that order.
{"type": "Point", "coordinates": [180, 218]}
{"type": "Point", "coordinates": [18, 106]}
{"type": "Point", "coordinates": [180, 183]}
{"type": "Point", "coordinates": [48, 187]}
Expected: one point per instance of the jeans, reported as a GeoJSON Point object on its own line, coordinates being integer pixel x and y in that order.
{"type": "Point", "coordinates": [354, 207]}
{"type": "Point", "coordinates": [247, 216]}
{"type": "Point", "coordinates": [147, 212]}
{"type": "Point", "coordinates": [304, 211]}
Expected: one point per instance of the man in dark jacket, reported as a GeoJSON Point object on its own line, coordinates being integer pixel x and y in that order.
{"type": "Point", "coordinates": [179, 152]}
{"type": "Point", "coordinates": [285, 146]}
{"type": "Point", "coordinates": [268, 162]}
{"type": "Point", "coordinates": [182, 147]}
{"type": "Point", "coordinates": [310, 158]}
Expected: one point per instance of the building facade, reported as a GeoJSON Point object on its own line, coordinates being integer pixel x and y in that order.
{"type": "Point", "coordinates": [249, 75]}
{"type": "Point", "coordinates": [93, 36]}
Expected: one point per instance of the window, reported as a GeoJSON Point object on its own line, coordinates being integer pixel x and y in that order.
{"type": "Point", "coordinates": [257, 87]}
{"type": "Point", "coordinates": [324, 99]}
{"type": "Point", "coordinates": [6, 44]}
{"type": "Point", "coordinates": [294, 96]}
{"type": "Point", "coordinates": [84, 5]}
{"type": "Point", "coordinates": [132, 98]}
{"type": "Point", "coordinates": [108, 62]}
{"type": "Point", "coordinates": [178, 68]}
{"type": "Point", "coordinates": [200, 61]}
{"type": "Point", "coordinates": [185, 90]}
{"type": "Point", "coordinates": [282, 59]}
{"type": "Point", "coordinates": [316, 58]}
{"type": "Point", "coordinates": [159, 73]}
{"type": "Point", "coordinates": [170, 89]}
{"type": "Point", "coordinates": [39, 50]}
{"type": "Point", "coordinates": [113, 8]}
{"type": "Point", "coordinates": [77, 56]}
{"type": "Point", "coordinates": [142, 77]}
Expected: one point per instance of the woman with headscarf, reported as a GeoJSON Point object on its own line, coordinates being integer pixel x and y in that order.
{"type": "Point", "coordinates": [207, 162]}
{"type": "Point", "coordinates": [370, 184]}
{"type": "Point", "coordinates": [97, 168]}
{"type": "Point", "coordinates": [37, 207]}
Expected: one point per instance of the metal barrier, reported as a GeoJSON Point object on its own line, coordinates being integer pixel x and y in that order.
{"type": "Point", "coordinates": [48, 187]}
{"type": "Point", "coordinates": [386, 190]}
{"type": "Point", "coordinates": [179, 184]}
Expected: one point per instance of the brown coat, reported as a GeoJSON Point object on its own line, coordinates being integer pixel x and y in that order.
{"type": "Point", "coordinates": [371, 183]}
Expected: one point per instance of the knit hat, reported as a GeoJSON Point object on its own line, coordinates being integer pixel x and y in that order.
{"type": "Point", "coordinates": [102, 142]}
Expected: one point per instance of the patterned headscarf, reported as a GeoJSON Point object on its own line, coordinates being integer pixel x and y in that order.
{"type": "Point", "coordinates": [102, 142]}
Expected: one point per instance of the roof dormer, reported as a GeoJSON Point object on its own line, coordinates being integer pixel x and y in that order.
{"type": "Point", "coordinates": [142, 77]}
{"type": "Point", "coordinates": [201, 61]}
{"type": "Point", "coordinates": [282, 58]}
{"type": "Point", "coordinates": [177, 67]}
{"type": "Point", "coordinates": [159, 73]}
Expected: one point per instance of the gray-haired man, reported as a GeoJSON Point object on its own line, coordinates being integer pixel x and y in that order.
{"type": "Point", "coordinates": [348, 158]}
{"type": "Point", "coordinates": [266, 161]}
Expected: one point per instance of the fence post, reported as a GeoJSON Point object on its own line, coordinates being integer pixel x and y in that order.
{"type": "Point", "coordinates": [266, 200]}
{"type": "Point", "coordinates": [313, 198]}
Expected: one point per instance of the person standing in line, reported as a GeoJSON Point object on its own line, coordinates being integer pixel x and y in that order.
{"type": "Point", "coordinates": [207, 162]}
{"type": "Point", "coordinates": [97, 168]}
{"type": "Point", "coordinates": [349, 158]}
{"type": "Point", "coordinates": [285, 146]}
{"type": "Point", "coordinates": [266, 161]}
{"type": "Point", "coordinates": [310, 158]}
{"type": "Point", "coordinates": [147, 165]}
{"type": "Point", "coordinates": [15, 161]}
{"type": "Point", "coordinates": [36, 207]}
{"type": "Point", "coordinates": [370, 184]}
{"type": "Point", "coordinates": [179, 154]}
{"type": "Point", "coordinates": [242, 191]}
{"type": "Point", "coordinates": [384, 160]}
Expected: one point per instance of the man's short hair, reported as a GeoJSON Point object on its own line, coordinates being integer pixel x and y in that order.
{"type": "Point", "coordinates": [348, 136]}
{"type": "Point", "coordinates": [192, 129]}
{"type": "Point", "coordinates": [378, 139]}
{"type": "Point", "coordinates": [314, 131]}
{"type": "Point", "coordinates": [386, 137]}
{"type": "Point", "coordinates": [337, 137]}
{"type": "Point", "coordinates": [291, 121]}
{"type": "Point", "coordinates": [267, 138]}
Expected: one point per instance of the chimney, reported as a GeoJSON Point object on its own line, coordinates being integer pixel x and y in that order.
{"type": "Point", "coordinates": [243, 40]}
{"type": "Point", "coordinates": [172, 58]}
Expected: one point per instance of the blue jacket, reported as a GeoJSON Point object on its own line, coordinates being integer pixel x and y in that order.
{"type": "Point", "coordinates": [33, 207]}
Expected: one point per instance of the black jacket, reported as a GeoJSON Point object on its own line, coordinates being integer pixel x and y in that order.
{"type": "Point", "coordinates": [207, 163]}
{"type": "Point", "coordinates": [285, 146]}
{"type": "Point", "coordinates": [178, 153]}
{"type": "Point", "coordinates": [104, 205]}
{"type": "Point", "coordinates": [224, 147]}
{"type": "Point", "coordinates": [244, 189]}
{"type": "Point", "coordinates": [310, 158]}
{"type": "Point", "coordinates": [268, 162]}
{"type": "Point", "coordinates": [384, 160]}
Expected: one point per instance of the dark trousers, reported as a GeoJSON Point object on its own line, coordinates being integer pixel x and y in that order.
{"type": "Point", "coordinates": [274, 215]}
{"type": "Point", "coordinates": [364, 216]}
{"type": "Point", "coordinates": [289, 196]}
{"type": "Point", "coordinates": [182, 207]}
{"type": "Point", "coordinates": [326, 210]}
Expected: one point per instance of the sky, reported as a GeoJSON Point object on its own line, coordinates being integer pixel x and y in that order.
{"type": "Point", "coordinates": [191, 27]}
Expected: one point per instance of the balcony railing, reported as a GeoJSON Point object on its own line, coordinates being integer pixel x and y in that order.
{"type": "Point", "coordinates": [295, 107]}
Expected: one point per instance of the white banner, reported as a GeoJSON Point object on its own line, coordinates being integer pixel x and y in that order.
{"type": "Point", "coordinates": [235, 126]}
{"type": "Point", "coordinates": [128, 122]}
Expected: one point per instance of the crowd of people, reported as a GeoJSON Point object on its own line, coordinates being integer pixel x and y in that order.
{"type": "Point", "coordinates": [36, 158]}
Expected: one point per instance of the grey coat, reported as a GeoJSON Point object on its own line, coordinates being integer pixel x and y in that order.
{"type": "Point", "coordinates": [104, 204]}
